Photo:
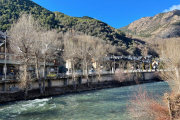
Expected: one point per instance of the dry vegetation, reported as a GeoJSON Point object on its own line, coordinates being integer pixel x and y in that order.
{"type": "Point", "coordinates": [162, 25]}
{"type": "Point", "coordinates": [121, 76]}
{"type": "Point", "coordinates": [145, 106]}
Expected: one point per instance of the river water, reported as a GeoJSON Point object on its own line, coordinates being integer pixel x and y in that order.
{"type": "Point", "coordinates": [105, 104]}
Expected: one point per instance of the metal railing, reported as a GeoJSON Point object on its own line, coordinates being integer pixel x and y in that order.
{"type": "Point", "coordinates": [60, 75]}
{"type": "Point", "coordinates": [9, 77]}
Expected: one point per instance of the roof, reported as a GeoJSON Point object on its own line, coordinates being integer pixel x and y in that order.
{"type": "Point", "coordinates": [2, 34]}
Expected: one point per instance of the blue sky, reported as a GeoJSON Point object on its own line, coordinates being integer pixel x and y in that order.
{"type": "Point", "coordinates": [117, 13]}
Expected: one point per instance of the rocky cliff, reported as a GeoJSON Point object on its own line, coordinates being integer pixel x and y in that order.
{"type": "Point", "coordinates": [163, 25]}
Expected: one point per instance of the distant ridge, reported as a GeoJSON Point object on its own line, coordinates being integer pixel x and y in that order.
{"type": "Point", "coordinates": [163, 25]}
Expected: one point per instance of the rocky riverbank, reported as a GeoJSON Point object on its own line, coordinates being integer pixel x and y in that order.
{"type": "Point", "coordinates": [51, 91]}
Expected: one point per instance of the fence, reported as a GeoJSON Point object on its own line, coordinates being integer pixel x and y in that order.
{"type": "Point", "coordinates": [60, 75]}
{"type": "Point", "coordinates": [9, 77]}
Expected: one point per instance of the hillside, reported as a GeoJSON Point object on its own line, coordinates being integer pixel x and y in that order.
{"type": "Point", "coordinates": [91, 27]}
{"type": "Point", "coordinates": [10, 11]}
{"type": "Point", "coordinates": [163, 25]}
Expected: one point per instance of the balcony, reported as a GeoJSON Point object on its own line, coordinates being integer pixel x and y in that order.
{"type": "Point", "coordinates": [15, 60]}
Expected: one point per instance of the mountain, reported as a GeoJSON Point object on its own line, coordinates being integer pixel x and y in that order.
{"type": "Point", "coordinates": [163, 25]}
{"type": "Point", "coordinates": [90, 26]}
{"type": "Point", "coordinates": [10, 11]}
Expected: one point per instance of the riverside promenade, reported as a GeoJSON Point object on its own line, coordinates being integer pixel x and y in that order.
{"type": "Point", "coordinates": [12, 84]}
{"type": "Point", "coordinates": [10, 90]}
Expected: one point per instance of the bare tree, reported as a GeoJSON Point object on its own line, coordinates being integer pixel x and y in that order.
{"type": "Point", "coordinates": [71, 53]}
{"type": "Point", "coordinates": [99, 52]}
{"type": "Point", "coordinates": [112, 50]}
{"type": "Point", "coordinates": [36, 51]}
{"type": "Point", "coordinates": [32, 43]}
{"type": "Point", "coordinates": [121, 76]}
{"type": "Point", "coordinates": [85, 49]}
{"type": "Point", "coordinates": [171, 58]}
{"type": "Point", "coordinates": [50, 43]}
{"type": "Point", "coordinates": [21, 41]}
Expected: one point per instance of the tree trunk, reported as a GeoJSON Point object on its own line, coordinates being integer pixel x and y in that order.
{"type": "Point", "coordinates": [74, 83]}
{"type": "Point", "coordinates": [177, 77]}
{"type": "Point", "coordinates": [87, 82]}
{"type": "Point", "coordinates": [92, 78]}
{"type": "Point", "coordinates": [37, 75]}
{"type": "Point", "coordinates": [44, 69]}
{"type": "Point", "coordinates": [26, 78]}
{"type": "Point", "coordinates": [87, 75]}
{"type": "Point", "coordinates": [83, 68]}
{"type": "Point", "coordinates": [169, 105]}
{"type": "Point", "coordinates": [73, 77]}
{"type": "Point", "coordinates": [25, 93]}
{"type": "Point", "coordinates": [99, 74]}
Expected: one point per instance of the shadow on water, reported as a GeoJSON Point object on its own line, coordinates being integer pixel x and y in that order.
{"type": "Point", "coordinates": [42, 113]}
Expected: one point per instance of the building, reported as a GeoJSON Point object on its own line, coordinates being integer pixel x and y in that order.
{"type": "Point", "coordinates": [13, 62]}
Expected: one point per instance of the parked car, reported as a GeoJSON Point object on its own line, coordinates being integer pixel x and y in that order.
{"type": "Point", "coordinates": [52, 75]}
{"type": "Point", "coordinates": [68, 72]}
{"type": "Point", "coordinates": [77, 72]}
{"type": "Point", "coordinates": [92, 71]}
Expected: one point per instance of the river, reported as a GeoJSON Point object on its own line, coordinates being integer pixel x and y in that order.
{"type": "Point", "coordinates": [105, 104]}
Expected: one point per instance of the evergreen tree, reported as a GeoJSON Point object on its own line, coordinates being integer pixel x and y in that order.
{"type": "Point", "coordinates": [11, 10]}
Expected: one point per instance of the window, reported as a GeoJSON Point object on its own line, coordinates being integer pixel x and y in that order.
{"type": "Point", "coordinates": [1, 56]}
{"type": "Point", "coordinates": [2, 49]}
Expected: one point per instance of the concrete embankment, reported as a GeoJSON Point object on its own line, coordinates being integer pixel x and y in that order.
{"type": "Point", "coordinates": [51, 91]}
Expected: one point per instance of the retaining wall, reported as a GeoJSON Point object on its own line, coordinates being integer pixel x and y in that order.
{"type": "Point", "coordinates": [13, 86]}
